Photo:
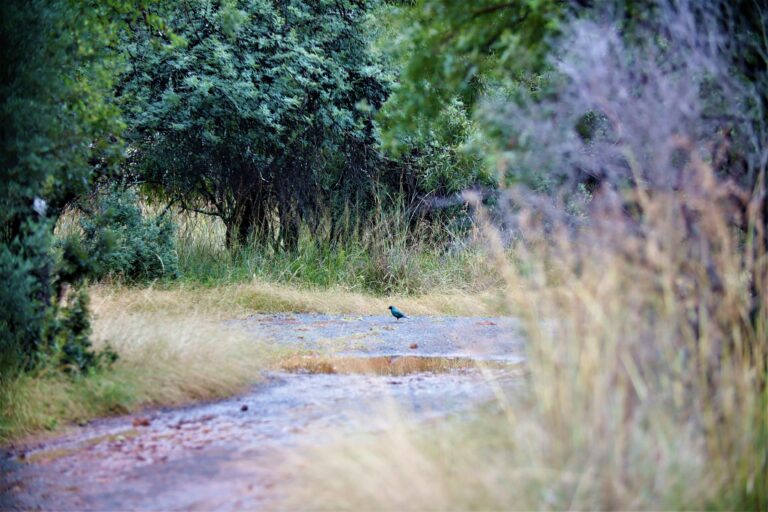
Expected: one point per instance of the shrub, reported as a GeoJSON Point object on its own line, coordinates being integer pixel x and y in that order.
{"type": "Point", "coordinates": [125, 243]}
{"type": "Point", "coordinates": [25, 285]}
{"type": "Point", "coordinates": [43, 307]}
{"type": "Point", "coordinates": [70, 332]}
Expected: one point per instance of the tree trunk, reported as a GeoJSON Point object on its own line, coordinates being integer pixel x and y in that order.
{"type": "Point", "coordinates": [249, 221]}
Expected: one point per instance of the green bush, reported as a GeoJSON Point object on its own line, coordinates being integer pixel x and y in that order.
{"type": "Point", "coordinates": [24, 274]}
{"type": "Point", "coordinates": [70, 331]}
{"type": "Point", "coordinates": [124, 243]}
{"type": "Point", "coordinates": [43, 307]}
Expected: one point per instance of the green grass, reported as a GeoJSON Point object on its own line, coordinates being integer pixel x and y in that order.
{"type": "Point", "coordinates": [388, 257]}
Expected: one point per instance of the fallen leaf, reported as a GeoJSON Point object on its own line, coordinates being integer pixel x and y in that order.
{"type": "Point", "coordinates": [140, 422]}
{"type": "Point", "coordinates": [414, 346]}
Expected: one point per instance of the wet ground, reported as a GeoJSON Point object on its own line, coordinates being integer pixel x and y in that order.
{"type": "Point", "coordinates": [350, 375]}
{"type": "Point", "coordinates": [471, 337]}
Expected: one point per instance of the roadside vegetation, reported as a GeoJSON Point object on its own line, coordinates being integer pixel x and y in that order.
{"type": "Point", "coordinates": [161, 294]}
{"type": "Point", "coordinates": [599, 173]}
{"type": "Point", "coordinates": [165, 357]}
{"type": "Point", "coordinates": [646, 313]}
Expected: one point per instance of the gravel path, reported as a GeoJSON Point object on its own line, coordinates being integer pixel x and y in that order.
{"type": "Point", "coordinates": [473, 337]}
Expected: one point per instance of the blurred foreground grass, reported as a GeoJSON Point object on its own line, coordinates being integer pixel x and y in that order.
{"type": "Point", "coordinates": [647, 348]}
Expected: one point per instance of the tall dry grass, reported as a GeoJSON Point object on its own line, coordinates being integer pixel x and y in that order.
{"type": "Point", "coordinates": [647, 348]}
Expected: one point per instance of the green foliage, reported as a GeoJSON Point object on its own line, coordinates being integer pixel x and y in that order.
{"type": "Point", "coordinates": [58, 124]}
{"type": "Point", "coordinates": [70, 329]}
{"type": "Point", "coordinates": [57, 112]}
{"type": "Point", "coordinates": [445, 155]}
{"type": "Point", "coordinates": [448, 49]}
{"type": "Point", "coordinates": [23, 296]}
{"type": "Point", "coordinates": [124, 243]}
{"type": "Point", "coordinates": [260, 112]}
{"type": "Point", "coordinates": [73, 262]}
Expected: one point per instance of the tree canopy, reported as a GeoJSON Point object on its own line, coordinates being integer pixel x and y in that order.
{"type": "Point", "coordinates": [259, 112]}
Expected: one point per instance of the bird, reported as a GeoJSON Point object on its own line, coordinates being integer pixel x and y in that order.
{"type": "Point", "coordinates": [396, 312]}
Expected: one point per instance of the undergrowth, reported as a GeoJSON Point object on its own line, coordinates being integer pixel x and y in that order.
{"type": "Point", "coordinates": [386, 256]}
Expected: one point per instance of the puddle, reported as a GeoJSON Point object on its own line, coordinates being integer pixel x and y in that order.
{"type": "Point", "coordinates": [385, 365]}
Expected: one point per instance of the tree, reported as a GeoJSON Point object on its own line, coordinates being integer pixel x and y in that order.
{"type": "Point", "coordinates": [58, 125]}
{"type": "Point", "coordinates": [259, 112]}
{"type": "Point", "coordinates": [497, 54]}
{"type": "Point", "coordinates": [451, 49]}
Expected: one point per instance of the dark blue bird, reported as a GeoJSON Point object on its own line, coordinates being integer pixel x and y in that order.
{"type": "Point", "coordinates": [396, 312]}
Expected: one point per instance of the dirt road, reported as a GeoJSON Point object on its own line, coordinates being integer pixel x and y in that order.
{"type": "Point", "coordinates": [350, 374]}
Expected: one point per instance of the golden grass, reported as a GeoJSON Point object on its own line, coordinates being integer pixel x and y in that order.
{"type": "Point", "coordinates": [171, 352]}
{"type": "Point", "coordinates": [238, 300]}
